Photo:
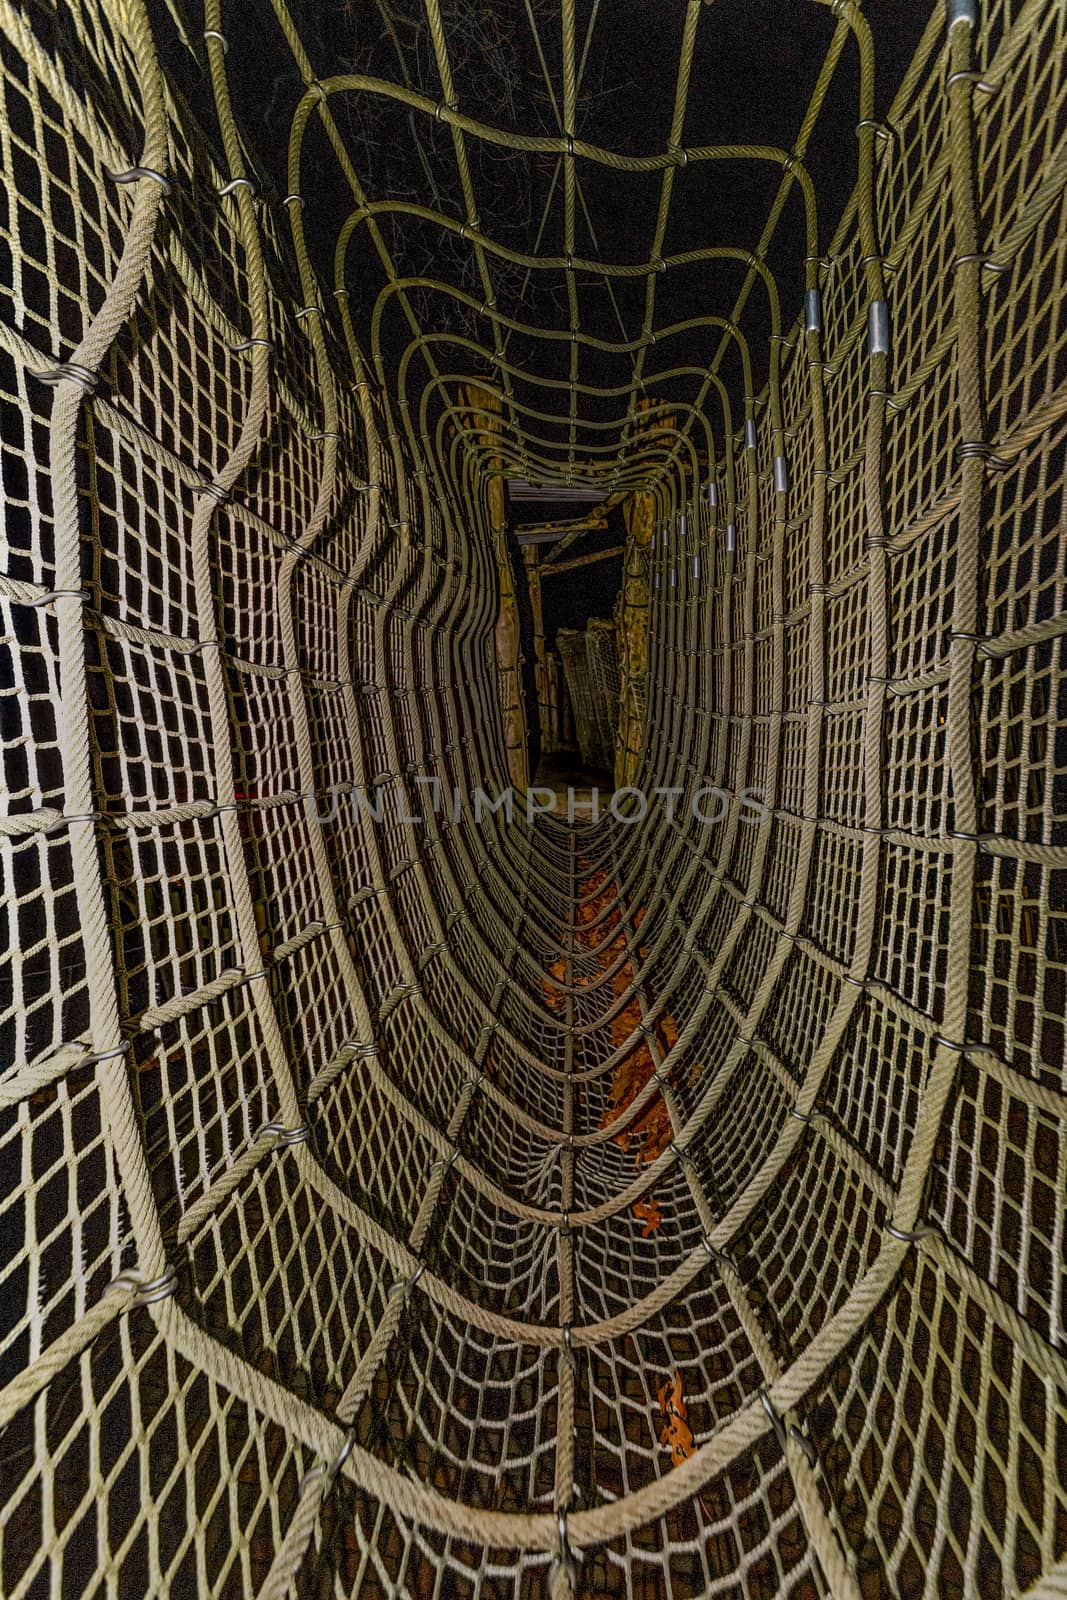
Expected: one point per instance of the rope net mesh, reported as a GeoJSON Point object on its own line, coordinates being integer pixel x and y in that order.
{"type": "Point", "coordinates": [410, 1201]}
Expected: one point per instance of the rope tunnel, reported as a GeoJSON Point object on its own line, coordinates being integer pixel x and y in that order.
{"type": "Point", "coordinates": [407, 1191]}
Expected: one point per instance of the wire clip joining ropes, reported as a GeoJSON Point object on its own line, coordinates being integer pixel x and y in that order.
{"type": "Point", "coordinates": [405, 1285]}
{"type": "Point", "coordinates": [806, 1117]}
{"type": "Point", "coordinates": [147, 1292]}
{"type": "Point", "coordinates": [135, 174]}
{"type": "Point", "coordinates": [285, 1136]}
{"type": "Point", "coordinates": [782, 1433]}
{"type": "Point", "coordinates": [362, 1050]}
{"type": "Point", "coordinates": [910, 1235]}
{"type": "Point", "coordinates": [564, 1558]}
{"type": "Point", "coordinates": [329, 1473]}
{"type": "Point", "coordinates": [103, 1055]}
{"type": "Point", "coordinates": [251, 344]}
{"type": "Point", "coordinates": [882, 130]}
{"type": "Point", "coordinates": [59, 594]}
{"type": "Point", "coordinates": [980, 450]}
{"type": "Point", "coordinates": [683, 1156]}
{"type": "Point", "coordinates": [720, 1258]}
{"type": "Point", "coordinates": [988, 262]}
{"type": "Point", "coordinates": [980, 81]}
{"type": "Point", "coordinates": [70, 371]}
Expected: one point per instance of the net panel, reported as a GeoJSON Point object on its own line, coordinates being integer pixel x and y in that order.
{"type": "Point", "coordinates": [410, 1198]}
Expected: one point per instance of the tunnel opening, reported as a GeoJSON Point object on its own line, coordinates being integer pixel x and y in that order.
{"type": "Point", "coordinates": [412, 1190]}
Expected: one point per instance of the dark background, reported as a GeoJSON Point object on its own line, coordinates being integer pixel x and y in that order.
{"type": "Point", "coordinates": [754, 70]}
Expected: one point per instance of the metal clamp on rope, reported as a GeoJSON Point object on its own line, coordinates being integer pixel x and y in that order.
{"type": "Point", "coordinates": [781, 475]}
{"type": "Point", "coordinates": [247, 977]}
{"type": "Point", "coordinates": [878, 328]}
{"type": "Point", "coordinates": [965, 75]}
{"type": "Point", "coordinates": [750, 433]}
{"type": "Point", "coordinates": [251, 344]}
{"type": "Point", "coordinates": [59, 594]}
{"type": "Point", "coordinates": [882, 130]}
{"type": "Point", "coordinates": [70, 370]}
{"type": "Point", "coordinates": [98, 1056]}
{"type": "Point", "coordinates": [76, 816]}
{"type": "Point", "coordinates": [271, 1130]}
{"type": "Point", "coordinates": [564, 1560]}
{"type": "Point", "coordinates": [135, 174]}
{"type": "Point", "coordinates": [812, 311]}
{"type": "Point", "coordinates": [213, 33]}
{"type": "Point", "coordinates": [147, 1292]}
{"type": "Point", "coordinates": [720, 1258]}
{"type": "Point", "coordinates": [683, 1156]}
{"type": "Point", "coordinates": [298, 1135]}
{"type": "Point", "coordinates": [909, 1235]}
{"type": "Point", "coordinates": [235, 184]}
{"type": "Point", "coordinates": [329, 1474]}
{"type": "Point", "coordinates": [298, 199]}
{"type": "Point", "coordinates": [212, 489]}
{"type": "Point", "coordinates": [568, 1350]}
{"type": "Point", "coordinates": [782, 1433]}
{"type": "Point", "coordinates": [960, 11]}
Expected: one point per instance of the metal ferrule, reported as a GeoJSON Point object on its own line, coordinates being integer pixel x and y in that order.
{"type": "Point", "coordinates": [878, 328]}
